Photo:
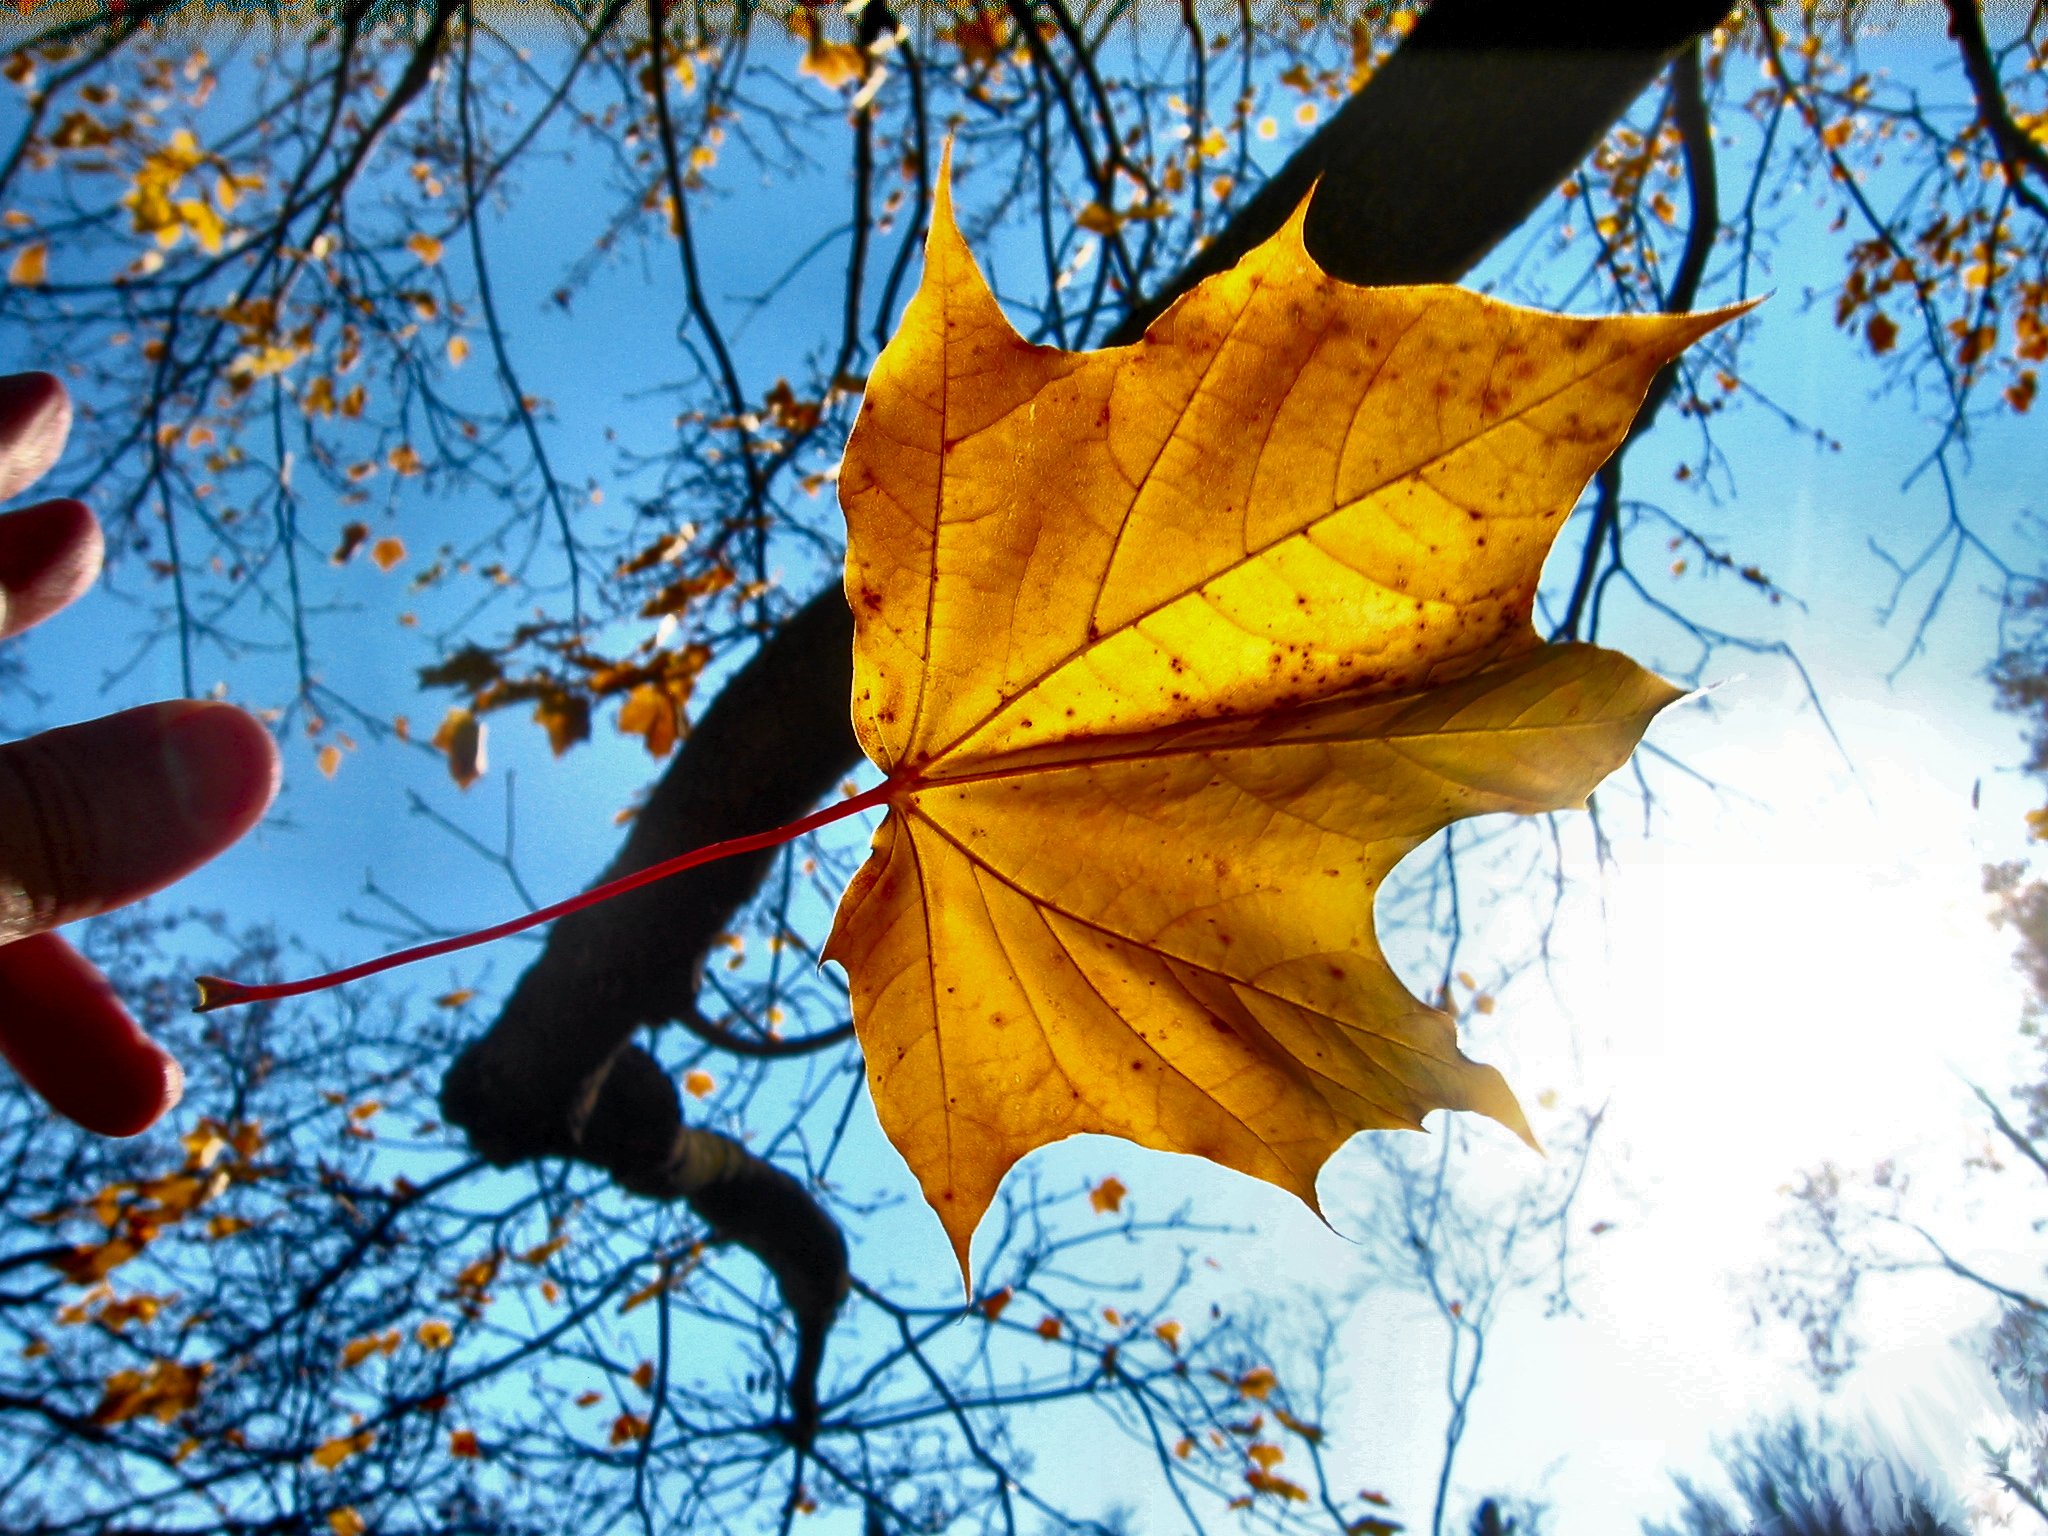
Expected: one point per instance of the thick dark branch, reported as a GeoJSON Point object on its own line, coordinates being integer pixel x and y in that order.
{"type": "Point", "coordinates": [777, 736]}
{"type": "Point", "coordinates": [742, 1198]}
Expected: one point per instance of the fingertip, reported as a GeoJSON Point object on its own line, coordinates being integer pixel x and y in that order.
{"type": "Point", "coordinates": [223, 767]}
{"type": "Point", "coordinates": [154, 1085]}
{"type": "Point", "coordinates": [172, 1088]}
{"type": "Point", "coordinates": [35, 418]}
{"type": "Point", "coordinates": [49, 555]}
{"type": "Point", "coordinates": [66, 1033]}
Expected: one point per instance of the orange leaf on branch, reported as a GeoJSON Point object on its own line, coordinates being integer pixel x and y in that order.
{"type": "Point", "coordinates": [1257, 1382]}
{"type": "Point", "coordinates": [163, 1390]}
{"type": "Point", "coordinates": [331, 1453]}
{"type": "Point", "coordinates": [30, 266]}
{"type": "Point", "coordinates": [461, 740]}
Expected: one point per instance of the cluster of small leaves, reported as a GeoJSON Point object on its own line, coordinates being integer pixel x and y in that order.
{"type": "Point", "coordinates": [187, 1310]}
{"type": "Point", "coordinates": [1949, 255]}
{"type": "Point", "coordinates": [260, 375]}
{"type": "Point", "coordinates": [1937, 200]}
{"type": "Point", "coordinates": [1790, 130]}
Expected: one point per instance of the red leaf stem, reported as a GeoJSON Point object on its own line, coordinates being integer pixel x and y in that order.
{"type": "Point", "coordinates": [217, 992]}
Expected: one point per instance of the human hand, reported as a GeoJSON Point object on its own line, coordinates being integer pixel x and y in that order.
{"type": "Point", "coordinates": [97, 815]}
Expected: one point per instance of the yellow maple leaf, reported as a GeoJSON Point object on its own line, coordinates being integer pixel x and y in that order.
{"type": "Point", "coordinates": [565, 716]}
{"type": "Point", "coordinates": [197, 215]}
{"type": "Point", "coordinates": [1267, 1482]}
{"type": "Point", "coordinates": [1258, 1382]}
{"type": "Point", "coordinates": [356, 1351]}
{"type": "Point", "coordinates": [1170, 653]}
{"type": "Point", "coordinates": [540, 1253]}
{"type": "Point", "coordinates": [647, 1292]}
{"type": "Point", "coordinates": [1309, 1432]}
{"type": "Point", "coordinates": [86, 1263]}
{"type": "Point", "coordinates": [980, 38]}
{"type": "Point", "coordinates": [1099, 220]}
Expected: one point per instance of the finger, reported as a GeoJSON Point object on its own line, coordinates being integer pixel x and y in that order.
{"type": "Point", "coordinates": [63, 1029]}
{"type": "Point", "coordinates": [49, 555]}
{"type": "Point", "coordinates": [35, 418]}
{"type": "Point", "coordinates": [96, 815]}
